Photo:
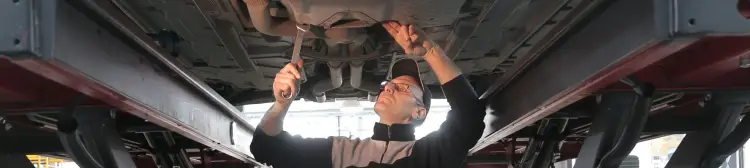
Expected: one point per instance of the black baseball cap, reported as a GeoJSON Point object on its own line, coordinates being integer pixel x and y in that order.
{"type": "Point", "coordinates": [410, 67]}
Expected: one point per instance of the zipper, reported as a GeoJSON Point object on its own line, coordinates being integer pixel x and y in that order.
{"type": "Point", "coordinates": [386, 144]}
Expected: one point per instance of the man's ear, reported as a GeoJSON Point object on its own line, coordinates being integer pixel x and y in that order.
{"type": "Point", "coordinates": [419, 114]}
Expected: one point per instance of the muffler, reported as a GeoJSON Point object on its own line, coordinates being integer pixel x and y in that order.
{"type": "Point", "coordinates": [335, 81]}
{"type": "Point", "coordinates": [362, 82]}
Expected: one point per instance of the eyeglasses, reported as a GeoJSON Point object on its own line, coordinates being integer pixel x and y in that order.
{"type": "Point", "coordinates": [400, 87]}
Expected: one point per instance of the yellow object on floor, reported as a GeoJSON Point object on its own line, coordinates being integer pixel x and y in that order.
{"type": "Point", "coordinates": [45, 161]}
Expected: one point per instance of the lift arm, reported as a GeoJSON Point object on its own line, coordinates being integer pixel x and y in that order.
{"type": "Point", "coordinates": [80, 44]}
{"type": "Point", "coordinates": [620, 38]}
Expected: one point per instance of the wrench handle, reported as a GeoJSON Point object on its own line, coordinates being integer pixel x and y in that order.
{"type": "Point", "coordinates": [297, 58]}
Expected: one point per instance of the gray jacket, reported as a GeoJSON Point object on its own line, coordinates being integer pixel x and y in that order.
{"type": "Point", "coordinates": [389, 146]}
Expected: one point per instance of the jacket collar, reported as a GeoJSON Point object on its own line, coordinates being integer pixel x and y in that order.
{"type": "Point", "coordinates": [394, 132]}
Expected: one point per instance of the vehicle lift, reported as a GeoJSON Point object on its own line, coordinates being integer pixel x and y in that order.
{"type": "Point", "coordinates": [84, 59]}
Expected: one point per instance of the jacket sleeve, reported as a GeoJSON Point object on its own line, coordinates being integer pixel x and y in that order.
{"type": "Point", "coordinates": [449, 146]}
{"type": "Point", "coordinates": [284, 150]}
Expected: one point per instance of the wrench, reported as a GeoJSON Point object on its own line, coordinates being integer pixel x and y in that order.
{"type": "Point", "coordinates": [296, 58]}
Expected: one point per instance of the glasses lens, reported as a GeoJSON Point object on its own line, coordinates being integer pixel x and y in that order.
{"type": "Point", "coordinates": [402, 87]}
{"type": "Point", "coordinates": [399, 87]}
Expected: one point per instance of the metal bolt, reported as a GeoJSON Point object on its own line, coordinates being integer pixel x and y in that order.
{"type": "Point", "coordinates": [745, 63]}
{"type": "Point", "coordinates": [113, 114]}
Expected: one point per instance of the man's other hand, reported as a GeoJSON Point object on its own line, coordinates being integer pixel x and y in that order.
{"type": "Point", "coordinates": [411, 38]}
{"type": "Point", "coordinates": [286, 84]}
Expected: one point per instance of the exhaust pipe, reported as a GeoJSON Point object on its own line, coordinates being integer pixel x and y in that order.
{"type": "Point", "coordinates": [260, 16]}
{"type": "Point", "coordinates": [321, 87]}
{"type": "Point", "coordinates": [361, 82]}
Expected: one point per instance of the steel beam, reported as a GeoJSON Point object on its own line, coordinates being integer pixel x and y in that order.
{"type": "Point", "coordinates": [613, 43]}
{"type": "Point", "coordinates": [56, 40]}
{"type": "Point", "coordinates": [726, 108]}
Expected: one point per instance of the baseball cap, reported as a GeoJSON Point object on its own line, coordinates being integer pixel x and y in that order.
{"type": "Point", "coordinates": [408, 66]}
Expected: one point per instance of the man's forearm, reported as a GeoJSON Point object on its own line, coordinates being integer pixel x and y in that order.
{"type": "Point", "coordinates": [444, 68]}
{"type": "Point", "coordinates": [467, 112]}
{"type": "Point", "coordinates": [273, 121]}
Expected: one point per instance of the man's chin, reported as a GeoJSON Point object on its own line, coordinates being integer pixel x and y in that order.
{"type": "Point", "coordinates": [380, 106]}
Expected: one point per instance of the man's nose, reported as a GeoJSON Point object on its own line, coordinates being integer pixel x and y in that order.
{"type": "Point", "coordinates": [388, 88]}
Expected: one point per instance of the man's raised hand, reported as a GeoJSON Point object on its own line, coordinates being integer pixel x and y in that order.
{"type": "Point", "coordinates": [286, 84]}
{"type": "Point", "coordinates": [411, 38]}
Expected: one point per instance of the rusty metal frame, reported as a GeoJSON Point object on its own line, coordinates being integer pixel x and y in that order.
{"type": "Point", "coordinates": [69, 44]}
{"type": "Point", "coordinates": [613, 43]}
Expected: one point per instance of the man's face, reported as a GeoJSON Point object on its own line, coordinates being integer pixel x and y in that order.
{"type": "Point", "coordinates": [400, 101]}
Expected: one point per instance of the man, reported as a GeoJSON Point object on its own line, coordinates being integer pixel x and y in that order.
{"type": "Point", "coordinates": [402, 104]}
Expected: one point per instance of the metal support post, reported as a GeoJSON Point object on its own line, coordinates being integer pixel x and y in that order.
{"type": "Point", "coordinates": [544, 157]}
{"type": "Point", "coordinates": [697, 148]}
{"type": "Point", "coordinates": [94, 141]}
{"type": "Point", "coordinates": [617, 126]}
{"type": "Point", "coordinates": [161, 156]}
{"type": "Point", "coordinates": [206, 156]}
{"type": "Point", "coordinates": [730, 145]}
{"type": "Point", "coordinates": [535, 143]}
{"type": "Point", "coordinates": [605, 129]}
{"type": "Point", "coordinates": [635, 122]}
{"type": "Point", "coordinates": [178, 153]}
{"type": "Point", "coordinates": [166, 151]}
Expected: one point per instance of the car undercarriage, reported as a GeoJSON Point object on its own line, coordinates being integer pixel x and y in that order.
{"type": "Point", "coordinates": [160, 80]}
{"type": "Point", "coordinates": [238, 47]}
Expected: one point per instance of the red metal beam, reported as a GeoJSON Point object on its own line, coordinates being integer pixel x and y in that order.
{"type": "Point", "coordinates": [709, 59]}
{"type": "Point", "coordinates": [639, 59]}
{"type": "Point", "coordinates": [496, 148]}
{"type": "Point", "coordinates": [23, 90]}
{"type": "Point", "coordinates": [144, 161]}
{"type": "Point", "coordinates": [710, 64]}
{"type": "Point", "coordinates": [568, 150]}
{"type": "Point", "coordinates": [16, 87]}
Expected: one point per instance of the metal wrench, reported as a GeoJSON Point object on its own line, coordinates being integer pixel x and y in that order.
{"type": "Point", "coordinates": [296, 58]}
